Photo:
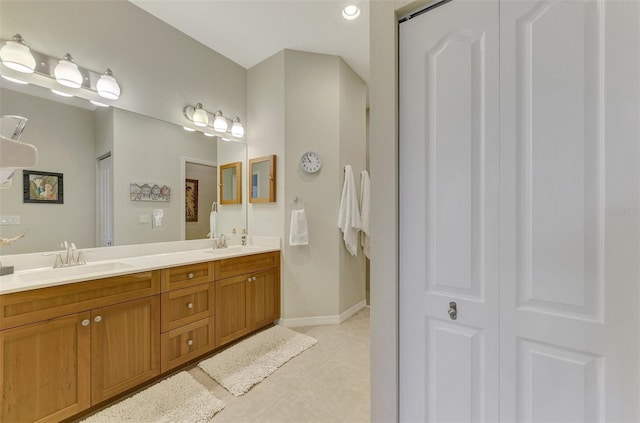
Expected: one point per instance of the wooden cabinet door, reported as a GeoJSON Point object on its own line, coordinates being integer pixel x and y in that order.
{"type": "Point", "coordinates": [45, 370]}
{"type": "Point", "coordinates": [125, 346]}
{"type": "Point", "coordinates": [232, 309]}
{"type": "Point", "coordinates": [264, 297]}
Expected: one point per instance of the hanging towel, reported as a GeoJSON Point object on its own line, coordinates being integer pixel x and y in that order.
{"type": "Point", "coordinates": [212, 225]}
{"type": "Point", "coordinates": [298, 234]}
{"type": "Point", "coordinates": [365, 202]}
{"type": "Point", "coordinates": [349, 218]}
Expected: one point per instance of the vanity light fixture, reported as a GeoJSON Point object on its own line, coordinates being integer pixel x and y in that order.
{"type": "Point", "coordinates": [17, 56]}
{"type": "Point", "coordinates": [220, 123]}
{"type": "Point", "coordinates": [237, 130]}
{"type": "Point", "coordinates": [200, 117]}
{"type": "Point", "coordinates": [351, 12]}
{"type": "Point", "coordinates": [107, 86]}
{"type": "Point", "coordinates": [67, 72]}
{"type": "Point", "coordinates": [225, 128]}
{"type": "Point", "coordinates": [49, 71]}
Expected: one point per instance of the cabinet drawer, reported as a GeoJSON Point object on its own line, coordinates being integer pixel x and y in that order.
{"type": "Point", "coordinates": [186, 343]}
{"type": "Point", "coordinates": [25, 307]}
{"type": "Point", "coordinates": [226, 268]}
{"type": "Point", "coordinates": [184, 276]}
{"type": "Point", "coordinates": [187, 305]}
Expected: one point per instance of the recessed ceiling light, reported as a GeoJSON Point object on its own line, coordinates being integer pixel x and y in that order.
{"type": "Point", "coordinates": [186, 128]}
{"type": "Point", "coordinates": [351, 12]}
{"type": "Point", "coordinates": [61, 93]}
{"type": "Point", "coordinates": [207, 134]}
{"type": "Point", "coordinates": [97, 103]}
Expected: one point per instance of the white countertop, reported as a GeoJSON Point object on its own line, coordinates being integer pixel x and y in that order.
{"type": "Point", "coordinates": [115, 261]}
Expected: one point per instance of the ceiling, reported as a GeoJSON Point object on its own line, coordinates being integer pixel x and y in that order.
{"type": "Point", "coordinates": [249, 31]}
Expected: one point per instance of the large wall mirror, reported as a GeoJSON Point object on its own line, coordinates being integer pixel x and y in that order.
{"type": "Point", "coordinates": [102, 151]}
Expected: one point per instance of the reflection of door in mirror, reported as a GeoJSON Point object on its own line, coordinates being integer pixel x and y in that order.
{"type": "Point", "coordinates": [262, 182]}
{"type": "Point", "coordinates": [231, 183]}
{"type": "Point", "coordinates": [105, 201]}
{"type": "Point", "coordinates": [201, 180]}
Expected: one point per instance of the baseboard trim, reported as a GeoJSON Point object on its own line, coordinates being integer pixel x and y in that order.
{"type": "Point", "coordinates": [323, 320]}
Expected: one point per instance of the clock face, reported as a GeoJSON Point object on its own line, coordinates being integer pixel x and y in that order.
{"type": "Point", "coordinates": [310, 162]}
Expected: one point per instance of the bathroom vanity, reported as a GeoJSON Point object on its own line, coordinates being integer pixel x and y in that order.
{"type": "Point", "coordinates": [72, 346]}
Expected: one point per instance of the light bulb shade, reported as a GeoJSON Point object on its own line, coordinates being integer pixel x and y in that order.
{"type": "Point", "coordinates": [237, 130]}
{"type": "Point", "coordinates": [108, 87]}
{"type": "Point", "coordinates": [67, 72]}
{"type": "Point", "coordinates": [220, 122]}
{"type": "Point", "coordinates": [17, 56]}
{"type": "Point", "coordinates": [200, 117]}
{"type": "Point", "coordinates": [351, 12]}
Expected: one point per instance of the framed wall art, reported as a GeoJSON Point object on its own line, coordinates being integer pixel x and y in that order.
{"type": "Point", "coordinates": [42, 187]}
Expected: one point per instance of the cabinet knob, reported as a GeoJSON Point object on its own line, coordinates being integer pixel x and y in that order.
{"type": "Point", "coordinates": [253, 278]}
{"type": "Point", "coordinates": [249, 279]}
{"type": "Point", "coordinates": [97, 319]}
{"type": "Point", "coordinates": [190, 342]}
{"type": "Point", "coordinates": [190, 275]}
{"type": "Point", "coordinates": [190, 305]}
{"type": "Point", "coordinates": [85, 322]}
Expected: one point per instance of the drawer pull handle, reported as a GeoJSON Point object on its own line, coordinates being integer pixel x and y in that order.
{"type": "Point", "coordinates": [97, 319]}
{"type": "Point", "coordinates": [190, 275]}
{"type": "Point", "coordinates": [190, 342]}
{"type": "Point", "coordinates": [190, 305]}
{"type": "Point", "coordinates": [85, 322]}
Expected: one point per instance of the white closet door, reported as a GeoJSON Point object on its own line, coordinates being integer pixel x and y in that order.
{"type": "Point", "coordinates": [449, 214]}
{"type": "Point", "coordinates": [570, 211]}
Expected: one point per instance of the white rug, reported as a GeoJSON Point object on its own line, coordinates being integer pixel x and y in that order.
{"type": "Point", "coordinates": [249, 362]}
{"type": "Point", "coordinates": [177, 399]}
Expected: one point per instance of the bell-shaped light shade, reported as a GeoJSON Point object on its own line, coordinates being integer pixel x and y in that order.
{"type": "Point", "coordinates": [67, 72]}
{"type": "Point", "coordinates": [220, 122]}
{"type": "Point", "coordinates": [237, 130]}
{"type": "Point", "coordinates": [200, 117]}
{"type": "Point", "coordinates": [108, 87]}
{"type": "Point", "coordinates": [17, 56]}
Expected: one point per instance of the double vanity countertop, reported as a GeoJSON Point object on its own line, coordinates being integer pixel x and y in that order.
{"type": "Point", "coordinates": [116, 261]}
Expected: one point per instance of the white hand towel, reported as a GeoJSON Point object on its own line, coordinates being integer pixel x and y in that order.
{"type": "Point", "coordinates": [212, 225]}
{"type": "Point", "coordinates": [365, 204]}
{"type": "Point", "coordinates": [349, 218]}
{"type": "Point", "coordinates": [298, 234]}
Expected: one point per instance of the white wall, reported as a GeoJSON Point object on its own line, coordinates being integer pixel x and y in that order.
{"type": "Point", "coordinates": [298, 102]}
{"type": "Point", "coordinates": [160, 69]}
{"type": "Point", "coordinates": [58, 132]}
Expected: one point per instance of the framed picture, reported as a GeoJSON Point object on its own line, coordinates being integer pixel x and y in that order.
{"type": "Point", "coordinates": [191, 200]}
{"type": "Point", "coordinates": [42, 187]}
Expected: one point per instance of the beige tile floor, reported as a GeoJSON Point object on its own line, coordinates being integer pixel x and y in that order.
{"type": "Point", "coordinates": [327, 383]}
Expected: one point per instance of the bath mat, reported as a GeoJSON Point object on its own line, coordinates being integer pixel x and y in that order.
{"type": "Point", "coordinates": [249, 362]}
{"type": "Point", "coordinates": [177, 399]}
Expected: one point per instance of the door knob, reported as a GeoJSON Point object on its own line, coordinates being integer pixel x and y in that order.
{"type": "Point", "coordinates": [453, 310]}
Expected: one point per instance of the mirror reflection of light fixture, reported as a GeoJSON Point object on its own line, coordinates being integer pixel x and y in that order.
{"type": "Point", "coordinates": [220, 122]}
{"type": "Point", "coordinates": [67, 72]}
{"type": "Point", "coordinates": [237, 130]}
{"type": "Point", "coordinates": [17, 56]}
{"type": "Point", "coordinates": [200, 117]}
{"type": "Point", "coordinates": [224, 127]}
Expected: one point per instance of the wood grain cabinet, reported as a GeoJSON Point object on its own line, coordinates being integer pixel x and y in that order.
{"type": "Point", "coordinates": [246, 301]}
{"type": "Point", "coordinates": [188, 313]}
{"type": "Point", "coordinates": [69, 347]}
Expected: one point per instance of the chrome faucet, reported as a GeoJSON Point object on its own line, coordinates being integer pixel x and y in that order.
{"type": "Point", "coordinates": [221, 241]}
{"type": "Point", "coordinates": [72, 257]}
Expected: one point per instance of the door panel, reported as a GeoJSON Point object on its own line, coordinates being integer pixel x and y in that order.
{"type": "Point", "coordinates": [449, 214]}
{"type": "Point", "coordinates": [569, 271]}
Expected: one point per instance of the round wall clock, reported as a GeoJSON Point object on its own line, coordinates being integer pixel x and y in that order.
{"type": "Point", "coordinates": [310, 162]}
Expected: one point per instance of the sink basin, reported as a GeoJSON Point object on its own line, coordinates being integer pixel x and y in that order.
{"type": "Point", "coordinates": [68, 272]}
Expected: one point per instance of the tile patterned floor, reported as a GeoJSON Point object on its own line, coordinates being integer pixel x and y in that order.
{"type": "Point", "coordinates": [327, 383]}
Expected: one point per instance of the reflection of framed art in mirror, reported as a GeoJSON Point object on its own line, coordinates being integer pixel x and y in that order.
{"type": "Point", "coordinates": [42, 187]}
{"type": "Point", "coordinates": [191, 200]}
